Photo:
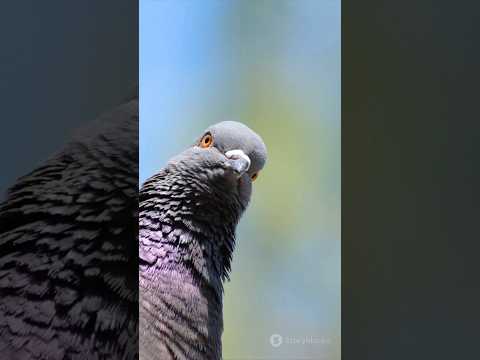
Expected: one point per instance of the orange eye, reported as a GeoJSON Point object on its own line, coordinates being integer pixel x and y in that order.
{"type": "Point", "coordinates": [206, 141]}
{"type": "Point", "coordinates": [254, 176]}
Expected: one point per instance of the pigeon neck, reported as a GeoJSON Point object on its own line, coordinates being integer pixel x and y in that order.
{"type": "Point", "coordinates": [173, 246]}
{"type": "Point", "coordinates": [189, 227]}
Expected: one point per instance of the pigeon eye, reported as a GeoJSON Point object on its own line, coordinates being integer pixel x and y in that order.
{"type": "Point", "coordinates": [254, 176]}
{"type": "Point", "coordinates": [206, 141]}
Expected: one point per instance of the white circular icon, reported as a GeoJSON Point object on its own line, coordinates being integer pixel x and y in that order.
{"type": "Point", "coordinates": [276, 340]}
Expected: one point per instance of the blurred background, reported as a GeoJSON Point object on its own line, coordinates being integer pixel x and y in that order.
{"type": "Point", "coordinates": [275, 66]}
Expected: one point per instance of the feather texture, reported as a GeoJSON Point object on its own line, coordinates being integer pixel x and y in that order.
{"type": "Point", "coordinates": [68, 230]}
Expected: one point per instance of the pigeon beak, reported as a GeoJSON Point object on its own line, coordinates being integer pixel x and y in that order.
{"type": "Point", "coordinates": [238, 161]}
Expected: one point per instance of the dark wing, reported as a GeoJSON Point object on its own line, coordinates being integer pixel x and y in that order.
{"type": "Point", "coordinates": [68, 249]}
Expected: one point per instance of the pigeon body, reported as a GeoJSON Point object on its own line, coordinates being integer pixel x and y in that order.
{"type": "Point", "coordinates": [188, 215]}
{"type": "Point", "coordinates": [68, 235]}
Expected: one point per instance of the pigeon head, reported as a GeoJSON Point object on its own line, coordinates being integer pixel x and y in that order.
{"type": "Point", "coordinates": [226, 158]}
{"type": "Point", "coordinates": [237, 142]}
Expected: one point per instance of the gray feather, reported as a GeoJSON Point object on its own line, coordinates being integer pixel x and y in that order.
{"type": "Point", "coordinates": [68, 230]}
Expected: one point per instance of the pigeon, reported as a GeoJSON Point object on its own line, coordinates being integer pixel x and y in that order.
{"type": "Point", "coordinates": [188, 216]}
{"type": "Point", "coordinates": [68, 245]}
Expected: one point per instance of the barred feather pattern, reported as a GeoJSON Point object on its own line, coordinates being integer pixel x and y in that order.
{"type": "Point", "coordinates": [68, 245]}
{"type": "Point", "coordinates": [187, 236]}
